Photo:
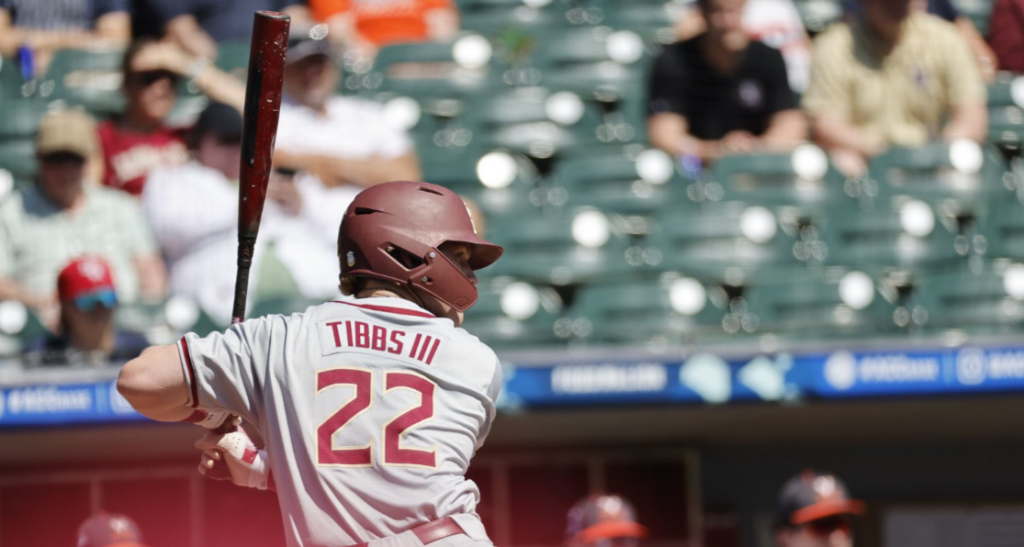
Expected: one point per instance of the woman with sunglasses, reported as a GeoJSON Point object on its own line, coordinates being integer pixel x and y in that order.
{"type": "Point", "coordinates": [815, 510]}
{"type": "Point", "coordinates": [86, 332]}
{"type": "Point", "coordinates": [139, 141]}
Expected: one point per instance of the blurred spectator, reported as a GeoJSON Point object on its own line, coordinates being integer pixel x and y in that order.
{"type": "Point", "coordinates": [138, 142]}
{"type": "Point", "coordinates": [777, 23]}
{"type": "Point", "coordinates": [604, 520]}
{"type": "Point", "coordinates": [199, 25]}
{"type": "Point", "coordinates": [86, 332]}
{"type": "Point", "coordinates": [46, 26]}
{"type": "Point", "coordinates": [945, 9]}
{"type": "Point", "coordinates": [1006, 34]}
{"type": "Point", "coordinates": [109, 530]}
{"type": "Point", "coordinates": [894, 77]}
{"type": "Point", "coordinates": [63, 216]}
{"type": "Point", "coordinates": [367, 25]}
{"type": "Point", "coordinates": [344, 141]}
{"type": "Point", "coordinates": [722, 93]}
{"type": "Point", "coordinates": [814, 510]}
{"type": "Point", "coordinates": [193, 211]}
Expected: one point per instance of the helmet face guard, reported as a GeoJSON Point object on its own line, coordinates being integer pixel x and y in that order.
{"type": "Point", "coordinates": [394, 231]}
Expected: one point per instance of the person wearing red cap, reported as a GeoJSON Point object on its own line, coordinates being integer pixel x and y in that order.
{"type": "Point", "coordinates": [109, 530]}
{"type": "Point", "coordinates": [603, 520]}
{"type": "Point", "coordinates": [86, 329]}
{"type": "Point", "coordinates": [814, 510]}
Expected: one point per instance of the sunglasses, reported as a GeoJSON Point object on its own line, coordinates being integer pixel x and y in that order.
{"type": "Point", "coordinates": [151, 77]}
{"type": "Point", "coordinates": [829, 525]}
{"type": "Point", "coordinates": [88, 302]}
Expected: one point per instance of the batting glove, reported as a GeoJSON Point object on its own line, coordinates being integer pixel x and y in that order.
{"type": "Point", "coordinates": [233, 456]}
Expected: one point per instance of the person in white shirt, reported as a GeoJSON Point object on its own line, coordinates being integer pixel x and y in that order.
{"type": "Point", "coordinates": [193, 212]}
{"type": "Point", "coordinates": [343, 141]}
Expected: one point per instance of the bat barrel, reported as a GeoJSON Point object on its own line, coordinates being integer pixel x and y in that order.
{"type": "Point", "coordinates": [259, 128]}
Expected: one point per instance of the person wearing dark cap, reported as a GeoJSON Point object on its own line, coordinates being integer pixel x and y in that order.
{"type": "Point", "coordinates": [814, 510]}
{"type": "Point", "coordinates": [344, 141]}
{"type": "Point", "coordinates": [86, 332]}
{"type": "Point", "coordinates": [109, 530]}
{"type": "Point", "coordinates": [603, 520]}
{"type": "Point", "coordinates": [193, 210]}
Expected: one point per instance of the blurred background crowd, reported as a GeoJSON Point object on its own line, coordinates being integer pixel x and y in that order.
{"type": "Point", "coordinates": [706, 152]}
{"type": "Point", "coordinates": [702, 175]}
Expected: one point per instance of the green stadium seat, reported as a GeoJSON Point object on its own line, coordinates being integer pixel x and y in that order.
{"type": "Point", "coordinates": [19, 119]}
{"type": "Point", "coordinates": [814, 307]}
{"type": "Point", "coordinates": [89, 78]}
{"type": "Point", "coordinates": [818, 14]}
{"type": "Point", "coordinates": [19, 157]}
{"type": "Point", "coordinates": [642, 311]}
{"type": "Point", "coordinates": [978, 11]}
{"type": "Point", "coordinates": [537, 309]}
{"type": "Point", "coordinates": [545, 250]}
{"type": "Point", "coordinates": [594, 62]}
{"type": "Point", "coordinates": [233, 57]}
{"type": "Point", "coordinates": [520, 120]}
{"type": "Point", "coordinates": [880, 240]}
{"type": "Point", "coordinates": [803, 182]}
{"type": "Point", "coordinates": [959, 195]}
{"type": "Point", "coordinates": [273, 280]}
{"type": "Point", "coordinates": [1007, 90]}
{"type": "Point", "coordinates": [1003, 229]}
{"type": "Point", "coordinates": [457, 169]}
{"type": "Point", "coordinates": [977, 303]}
{"type": "Point", "coordinates": [493, 17]}
{"type": "Point", "coordinates": [11, 82]}
{"type": "Point", "coordinates": [734, 241]}
{"type": "Point", "coordinates": [611, 181]}
{"type": "Point", "coordinates": [650, 18]}
{"type": "Point", "coordinates": [428, 70]}
{"type": "Point", "coordinates": [1006, 126]}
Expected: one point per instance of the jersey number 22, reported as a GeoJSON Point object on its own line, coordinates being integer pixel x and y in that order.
{"type": "Point", "coordinates": [362, 456]}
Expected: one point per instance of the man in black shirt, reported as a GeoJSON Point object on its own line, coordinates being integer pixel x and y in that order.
{"type": "Point", "coordinates": [721, 93]}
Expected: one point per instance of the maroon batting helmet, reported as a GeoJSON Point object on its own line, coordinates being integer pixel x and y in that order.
{"type": "Point", "coordinates": [392, 232]}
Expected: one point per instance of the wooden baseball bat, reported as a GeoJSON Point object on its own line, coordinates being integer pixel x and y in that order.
{"type": "Point", "coordinates": [259, 129]}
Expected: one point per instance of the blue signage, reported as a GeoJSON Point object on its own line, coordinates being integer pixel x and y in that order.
{"type": "Point", "coordinates": [64, 404]}
{"type": "Point", "coordinates": [697, 379]}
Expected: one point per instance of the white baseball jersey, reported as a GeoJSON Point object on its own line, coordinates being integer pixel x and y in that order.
{"type": "Point", "coordinates": [371, 410]}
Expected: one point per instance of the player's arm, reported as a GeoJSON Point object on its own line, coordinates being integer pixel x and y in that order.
{"type": "Point", "coordinates": [155, 385]}
{"type": "Point", "coordinates": [336, 171]}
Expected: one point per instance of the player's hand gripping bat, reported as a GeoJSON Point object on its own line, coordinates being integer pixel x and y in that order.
{"type": "Point", "coordinates": [259, 129]}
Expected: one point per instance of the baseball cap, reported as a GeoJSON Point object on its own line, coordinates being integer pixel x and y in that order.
{"type": "Point", "coordinates": [72, 131]}
{"type": "Point", "coordinates": [306, 41]}
{"type": "Point", "coordinates": [603, 516]}
{"type": "Point", "coordinates": [109, 530]}
{"type": "Point", "coordinates": [87, 281]}
{"type": "Point", "coordinates": [813, 495]}
{"type": "Point", "coordinates": [221, 120]}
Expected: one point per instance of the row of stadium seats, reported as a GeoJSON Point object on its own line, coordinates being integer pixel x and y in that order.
{"type": "Point", "coordinates": [671, 309]}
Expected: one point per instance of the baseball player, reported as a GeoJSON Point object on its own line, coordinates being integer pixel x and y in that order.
{"type": "Point", "coordinates": [603, 520]}
{"type": "Point", "coordinates": [814, 510]}
{"type": "Point", "coordinates": [371, 407]}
